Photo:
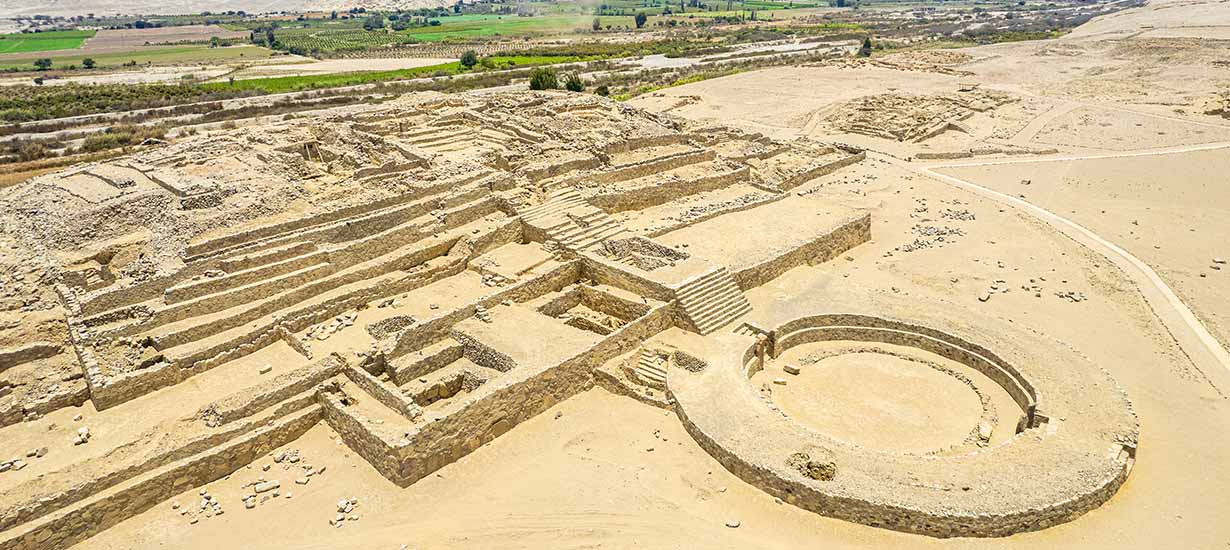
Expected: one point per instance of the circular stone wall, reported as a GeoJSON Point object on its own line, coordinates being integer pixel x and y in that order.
{"type": "Point", "coordinates": [913, 426]}
{"type": "Point", "coordinates": [888, 398]}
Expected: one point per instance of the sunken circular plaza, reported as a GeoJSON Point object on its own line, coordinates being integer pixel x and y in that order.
{"type": "Point", "coordinates": [914, 425]}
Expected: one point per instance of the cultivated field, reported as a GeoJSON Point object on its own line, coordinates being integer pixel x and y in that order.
{"type": "Point", "coordinates": [42, 41]}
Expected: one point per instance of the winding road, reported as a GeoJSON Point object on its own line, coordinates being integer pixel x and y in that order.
{"type": "Point", "coordinates": [1193, 337]}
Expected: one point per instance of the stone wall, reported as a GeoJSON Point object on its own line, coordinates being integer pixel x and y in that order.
{"type": "Point", "coordinates": [516, 397]}
{"type": "Point", "coordinates": [800, 493]}
{"type": "Point", "coordinates": [664, 191]}
{"type": "Point", "coordinates": [607, 272]}
{"type": "Point", "coordinates": [821, 170]}
{"type": "Point", "coordinates": [824, 248]}
{"type": "Point", "coordinates": [29, 352]}
{"type": "Point", "coordinates": [873, 329]}
{"type": "Point", "coordinates": [435, 329]}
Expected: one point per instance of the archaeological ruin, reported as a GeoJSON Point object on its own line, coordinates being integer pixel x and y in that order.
{"type": "Point", "coordinates": [423, 275]}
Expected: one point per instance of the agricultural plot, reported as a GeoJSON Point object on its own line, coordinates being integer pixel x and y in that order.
{"type": "Point", "coordinates": [316, 41]}
{"type": "Point", "coordinates": [174, 55]}
{"type": "Point", "coordinates": [43, 41]}
{"type": "Point", "coordinates": [477, 26]}
{"type": "Point", "coordinates": [283, 84]}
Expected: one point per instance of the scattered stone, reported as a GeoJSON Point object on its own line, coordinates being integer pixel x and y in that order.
{"type": "Point", "coordinates": [814, 469]}
{"type": "Point", "coordinates": [302, 481]}
{"type": "Point", "coordinates": [266, 486]}
{"type": "Point", "coordinates": [791, 369]}
{"type": "Point", "coordinates": [779, 381]}
{"type": "Point", "coordinates": [733, 524]}
{"type": "Point", "coordinates": [266, 369]}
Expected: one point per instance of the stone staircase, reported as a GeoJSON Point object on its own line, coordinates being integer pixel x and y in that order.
{"type": "Point", "coordinates": [571, 221]}
{"type": "Point", "coordinates": [649, 371]}
{"type": "Point", "coordinates": [712, 301]}
{"type": "Point", "coordinates": [556, 205]}
{"type": "Point", "coordinates": [579, 232]}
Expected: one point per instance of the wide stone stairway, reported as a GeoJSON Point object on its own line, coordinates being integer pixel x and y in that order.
{"type": "Point", "coordinates": [712, 300]}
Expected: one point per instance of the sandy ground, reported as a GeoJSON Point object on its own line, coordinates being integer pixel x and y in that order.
{"type": "Point", "coordinates": [146, 75]}
{"type": "Point", "coordinates": [1171, 210]}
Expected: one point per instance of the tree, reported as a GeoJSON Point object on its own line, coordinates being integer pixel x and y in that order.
{"type": "Point", "coordinates": [469, 59]}
{"type": "Point", "coordinates": [543, 78]}
{"type": "Point", "coordinates": [88, 63]}
{"type": "Point", "coordinates": [573, 82]}
{"type": "Point", "coordinates": [375, 21]}
{"type": "Point", "coordinates": [214, 42]}
{"type": "Point", "coordinates": [865, 50]}
{"type": "Point", "coordinates": [641, 19]}
{"type": "Point", "coordinates": [597, 24]}
{"type": "Point", "coordinates": [43, 64]}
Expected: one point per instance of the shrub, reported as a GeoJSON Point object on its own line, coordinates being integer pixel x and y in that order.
{"type": "Point", "coordinates": [865, 50]}
{"type": "Point", "coordinates": [543, 78]}
{"type": "Point", "coordinates": [88, 63]}
{"type": "Point", "coordinates": [469, 59]}
{"type": "Point", "coordinates": [573, 82]}
{"type": "Point", "coordinates": [602, 90]}
{"type": "Point", "coordinates": [31, 151]}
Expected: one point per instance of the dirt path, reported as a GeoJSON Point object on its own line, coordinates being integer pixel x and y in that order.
{"type": "Point", "coordinates": [1192, 336]}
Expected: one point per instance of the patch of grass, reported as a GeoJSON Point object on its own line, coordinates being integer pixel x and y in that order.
{"type": "Point", "coordinates": [43, 41]}
{"type": "Point", "coordinates": [689, 79]}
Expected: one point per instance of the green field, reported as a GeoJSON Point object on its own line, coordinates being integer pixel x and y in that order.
{"type": "Point", "coordinates": [174, 55]}
{"type": "Point", "coordinates": [475, 26]}
{"type": "Point", "coordinates": [282, 84]}
{"type": "Point", "coordinates": [43, 41]}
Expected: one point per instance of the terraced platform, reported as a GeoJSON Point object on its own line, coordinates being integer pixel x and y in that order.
{"type": "Point", "coordinates": [422, 276]}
